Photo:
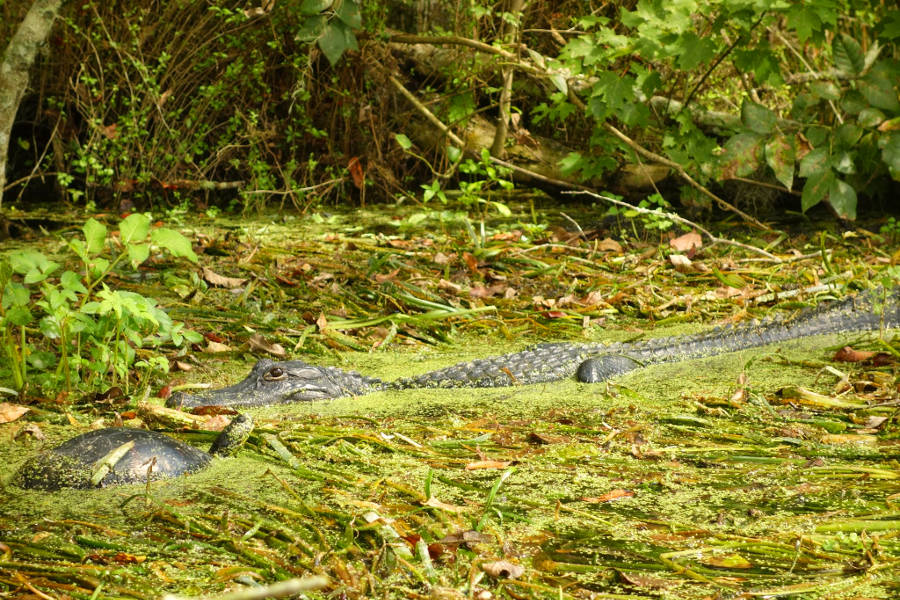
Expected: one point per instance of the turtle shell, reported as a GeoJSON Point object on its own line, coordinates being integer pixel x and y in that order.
{"type": "Point", "coordinates": [74, 463]}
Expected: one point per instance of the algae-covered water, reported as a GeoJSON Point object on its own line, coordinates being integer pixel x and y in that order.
{"type": "Point", "coordinates": [771, 472]}
{"type": "Point", "coordinates": [660, 484]}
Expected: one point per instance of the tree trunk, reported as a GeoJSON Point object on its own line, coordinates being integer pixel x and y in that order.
{"type": "Point", "coordinates": [17, 61]}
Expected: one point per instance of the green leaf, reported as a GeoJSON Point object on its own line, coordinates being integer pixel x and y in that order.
{"type": "Point", "coordinates": [71, 281]}
{"type": "Point", "coordinates": [134, 228]}
{"type": "Point", "coordinates": [559, 81]}
{"type": "Point", "coordinates": [879, 86]}
{"type": "Point", "coordinates": [781, 158]}
{"type": "Point", "coordinates": [741, 156]}
{"type": "Point", "coordinates": [842, 198]}
{"type": "Point", "coordinates": [842, 162]}
{"type": "Point", "coordinates": [348, 12]}
{"type": "Point", "coordinates": [19, 315]}
{"type": "Point", "coordinates": [847, 54]}
{"type": "Point", "coordinates": [15, 294]}
{"type": "Point", "coordinates": [853, 102]}
{"type": "Point", "coordinates": [454, 153]}
{"type": "Point", "coordinates": [757, 118]}
{"type": "Point", "coordinates": [847, 135]}
{"type": "Point", "coordinates": [814, 163]}
{"type": "Point", "coordinates": [314, 7]}
{"type": "Point", "coordinates": [404, 141]}
{"type": "Point", "coordinates": [692, 51]}
{"type": "Point", "coordinates": [890, 153]}
{"type": "Point", "coordinates": [94, 235]}
{"type": "Point", "coordinates": [826, 90]}
{"type": "Point", "coordinates": [138, 253]}
{"type": "Point", "coordinates": [805, 20]}
{"type": "Point", "coordinates": [870, 117]}
{"type": "Point", "coordinates": [335, 40]}
{"type": "Point", "coordinates": [816, 188]}
{"type": "Point", "coordinates": [311, 28]}
{"type": "Point", "coordinates": [174, 242]}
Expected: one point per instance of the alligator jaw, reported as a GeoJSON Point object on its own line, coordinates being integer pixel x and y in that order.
{"type": "Point", "coordinates": [269, 382]}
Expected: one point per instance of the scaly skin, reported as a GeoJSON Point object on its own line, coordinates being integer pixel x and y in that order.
{"type": "Point", "coordinates": [296, 381]}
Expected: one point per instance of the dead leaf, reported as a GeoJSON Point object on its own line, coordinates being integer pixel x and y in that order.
{"type": "Point", "coordinates": [183, 366]}
{"type": "Point", "coordinates": [10, 412]}
{"type": "Point", "coordinates": [487, 464]}
{"type": "Point", "coordinates": [503, 569]}
{"type": "Point", "coordinates": [356, 172]}
{"type": "Point", "coordinates": [874, 422]}
{"type": "Point", "coordinates": [471, 261]}
{"type": "Point", "coordinates": [681, 263]}
{"type": "Point", "coordinates": [466, 537]}
{"type": "Point", "coordinates": [643, 581]}
{"type": "Point", "coordinates": [609, 245]}
{"type": "Point", "coordinates": [435, 503]}
{"type": "Point", "coordinates": [110, 131]}
{"type": "Point", "coordinates": [215, 347]}
{"type": "Point", "coordinates": [848, 354]}
{"type": "Point", "coordinates": [617, 494]}
{"type": "Point", "coordinates": [31, 429]}
{"type": "Point", "coordinates": [449, 286]}
{"type": "Point", "coordinates": [687, 242]}
{"type": "Point", "coordinates": [258, 342]}
{"type": "Point", "coordinates": [443, 259]}
{"type": "Point", "coordinates": [322, 322]}
{"type": "Point", "coordinates": [213, 278]}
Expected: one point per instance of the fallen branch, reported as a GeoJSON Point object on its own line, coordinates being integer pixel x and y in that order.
{"type": "Point", "coordinates": [668, 215]}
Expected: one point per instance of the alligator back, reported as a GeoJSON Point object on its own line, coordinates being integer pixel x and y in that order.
{"type": "Point", "coordinates": [869, 310]}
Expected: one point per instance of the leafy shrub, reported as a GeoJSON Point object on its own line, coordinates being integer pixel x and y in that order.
{"type": "Point", "coordinates": [817, 90]}
{"type": "Point", "coordinates": [73, 330]}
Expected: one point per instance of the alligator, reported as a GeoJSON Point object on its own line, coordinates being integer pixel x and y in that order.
{"type": "Point", "coordinates": [271, 382]}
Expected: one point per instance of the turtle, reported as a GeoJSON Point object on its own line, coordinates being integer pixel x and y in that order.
{"type": "Point", "coordinates": [120, 455]}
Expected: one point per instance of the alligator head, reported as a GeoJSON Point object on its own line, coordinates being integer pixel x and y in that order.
{"type": "Point", "coordinates": [273, 382]}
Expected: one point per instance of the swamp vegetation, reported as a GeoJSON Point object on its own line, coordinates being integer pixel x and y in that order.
{"type": "Point", "coordinates": [763, 472]}
{"type": "Point", "coordinates": [396, 186]}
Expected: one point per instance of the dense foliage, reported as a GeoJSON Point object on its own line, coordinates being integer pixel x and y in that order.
{"type": "Point", "coordinates": [284, 102]}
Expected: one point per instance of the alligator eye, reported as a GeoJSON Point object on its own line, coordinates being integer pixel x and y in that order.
{"type": "Point", "coordinates": [275, 373]}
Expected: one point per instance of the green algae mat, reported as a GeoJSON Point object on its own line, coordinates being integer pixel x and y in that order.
{"type": "Point", "coordinates": [764, 473]}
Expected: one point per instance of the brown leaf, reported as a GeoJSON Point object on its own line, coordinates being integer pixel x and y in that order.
{"type": "Point", "coordinates": [183, 366]}
{"type": "Point", "coordinates": [644, 581]}
{"type": "Point", "coordinates": [848, 354]}
{"type": "Point", "coordinates": [681, 263]}
{"type": "Point", "coordinates": [215, 347]}
{"type": "Point", "coordinates": [31, 429]}
{"type": "Point", "coordinates": [466, 537]}
{"type": "Point", "coordinates": [382, 277]}
{"type": "Point", "coordinates": [213, 278]}
{"type": "Point", "coordinates": [609, 245]}
{"type": "Point", "coordinates": [443, 259]}
{"type": "Point", "coordinates": [471, 261]}
{"type": "Point", "coordinates": [543, 438]}
{"type": "Point", "coordinates": [258, 342]}
{"type": "Point", "coordinates": [503, 569]}
{"type": "Point", "coordinates": [356, 172]}
{"type": "Point", "coordinates": [435, 503]}
{"type": "Point", "coordinates": [322, 322]}
{"type": "Point", "coordinates": [479, 291]}
{"type": "Point", "coordinates": [609, 496]}
{"type": "Point", "coordinates": [449, 286]}
{"type": "Point", "coordinates": [487, 464]}
{"type": "Point", "coordinates": [686, 242]}
{"type": "Point", "coordinates": [10, 412]}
